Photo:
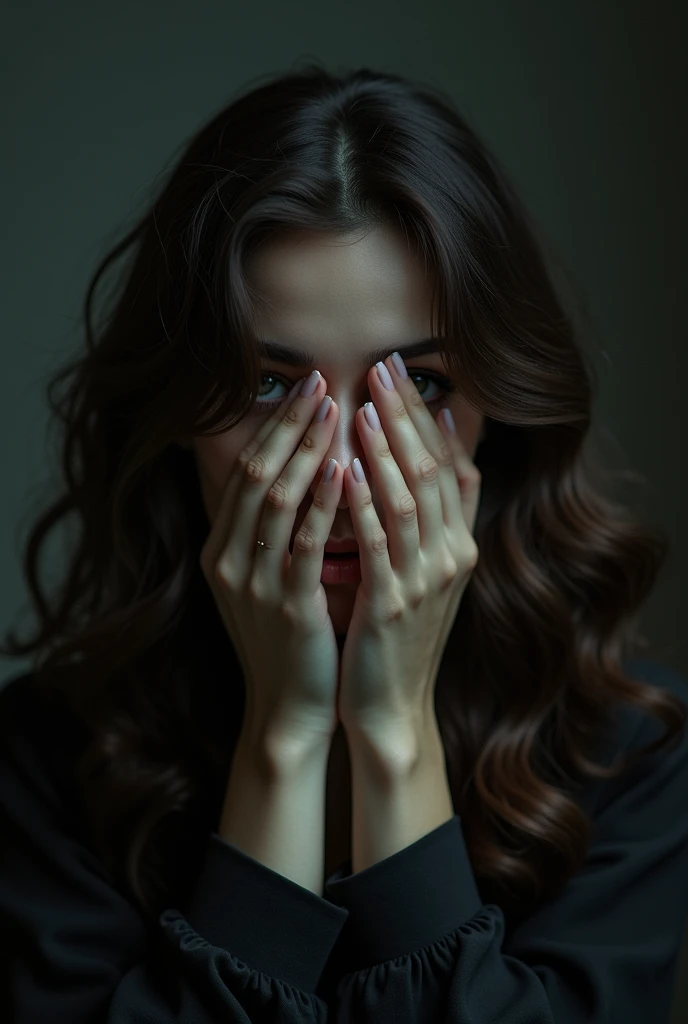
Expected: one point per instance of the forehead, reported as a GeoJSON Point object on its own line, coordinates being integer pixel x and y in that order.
{"type": "Point", "coordinates": [357, 291]}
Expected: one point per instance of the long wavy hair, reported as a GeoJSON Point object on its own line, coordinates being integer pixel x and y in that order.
{"type": "Point", "coordinates": [131, 636]}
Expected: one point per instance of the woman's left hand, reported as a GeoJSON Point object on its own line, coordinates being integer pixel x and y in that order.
{"type": "Point", "coordinates": [414, 573]}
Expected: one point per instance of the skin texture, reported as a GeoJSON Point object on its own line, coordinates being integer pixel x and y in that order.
{"type": "Point", "coordinates": [339, 297]}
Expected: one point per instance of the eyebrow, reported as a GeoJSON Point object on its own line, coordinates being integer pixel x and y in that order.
{"type": "Point", "coordinates": [301, 358]}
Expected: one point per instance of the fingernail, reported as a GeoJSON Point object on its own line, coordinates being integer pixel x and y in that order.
{"type": "Point", "coordinates": [310, 384]}
{"type": "Point", "coordinates": [323, 409]}
{"type": "Point", "coordinates": [329, 471]}
{"type": "Point", "coordinates": [357, 470]}
{"type": "Point", "coordinates": [372, 416]}
{"type": "Point", "coordinates": [449, 420]}
{"type": "Point", "coordinates": [385, 376]}
{"type": "Point", "coordinates": [399, 365]}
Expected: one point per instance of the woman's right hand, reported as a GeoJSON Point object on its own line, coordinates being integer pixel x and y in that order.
{"type": "Point", "coordinates": [272, 603]}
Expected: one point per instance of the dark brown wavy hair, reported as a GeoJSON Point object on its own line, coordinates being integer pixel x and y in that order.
{"type": "Point", "coordinates": [131, 636]}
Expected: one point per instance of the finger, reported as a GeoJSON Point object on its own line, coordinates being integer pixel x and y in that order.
{"type": "Point", "coordinates": [306, 564]}
{"type": "Point", "coordinates": [401, 521]}
{"type": "Point", "coordinates": [256, 469]}
{"type": "Point", "coordinates": [420, 470]}
{"type": "Point", "coordinates": [430, 441]}
{"type": "Point", "coordinates": [279, 512]}
{"type": "Point", "coordinates": [373, 552]}
{"type": "Point", "coordinates": [219, 532]}
{"type": "Point", "coordinates": [468, 475]}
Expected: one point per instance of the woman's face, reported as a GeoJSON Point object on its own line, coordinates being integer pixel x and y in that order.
{"type": "Point", "coordinates": [339, 298]}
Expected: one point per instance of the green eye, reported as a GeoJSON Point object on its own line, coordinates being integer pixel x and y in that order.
{"type": "Point", "coordinates": [444, 384]}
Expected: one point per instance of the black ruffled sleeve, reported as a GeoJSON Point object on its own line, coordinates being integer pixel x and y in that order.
{"type": "Point", "coordinates": [251, 946]}
{"type": "Point", "coordinates": [408, 939]}
{"type": "Point", "coordinates": [423, 946]}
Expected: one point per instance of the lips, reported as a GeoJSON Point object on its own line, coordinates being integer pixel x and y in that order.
{"type": "Point", "coordinates": [341, 547]}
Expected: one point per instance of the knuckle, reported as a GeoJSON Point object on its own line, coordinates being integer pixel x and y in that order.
{"type": "Point", "coordinates": [291, 417]}
{"type": "Point", "coordinates": [397, 411]}
{"type": "Point", "coordinates": [378, 543]}
{"type": "Point", "coordinates": [308, 444]}
{"type": "Point", "coordinates": [427, 469]}
{"type": "Point", "coordinates": [222, 572]}
{"type": "Point", "coordinates": [319, 502]}
{"type": "Point", "coordinates": [256, 590]}
{"type": "Point", "coordinates": [473, 556]}
{"type": "Point", "coordinates": [393, 610]}
{"type": "Point", "coordinates": [448, 572]}
{"type": "Point", "coordinates": [278, 495]}
{"type": "Point", "coordinates": [406, 508]}
{"type": "Point", "coordinates": [255, 467]}
{"type": "Point", "coordinates": [306, 540]}
{"type": "Point", "coordinates": [444, 455]}
{"type": "Point", "coordinates": [367, 502]}
{"type": "Point", "coordinates": [384, 451]}
{"type": "Point", "coordinates": [291, 612]}
{"type": "Point", "coordinates": [246, 453]}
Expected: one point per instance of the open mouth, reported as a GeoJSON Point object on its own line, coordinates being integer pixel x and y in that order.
{"type": "Point", "coordinates": [341, 554]}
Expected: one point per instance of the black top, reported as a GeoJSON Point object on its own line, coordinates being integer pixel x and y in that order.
{"type": "Point", "coordinates": [410, 938]}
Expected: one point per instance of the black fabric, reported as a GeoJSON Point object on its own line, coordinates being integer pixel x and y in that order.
{"type": "Point", "coordinates": [411, 938]}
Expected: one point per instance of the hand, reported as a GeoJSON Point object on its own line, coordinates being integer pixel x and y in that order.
{"type": "Point", "coordinates": [272, 603]}
{"type": "Point", "coordinates": [413, 575]}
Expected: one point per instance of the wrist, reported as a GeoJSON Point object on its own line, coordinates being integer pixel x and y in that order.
{"type": "Point", "coordinates": [276, 749]}
{"type": "Point", "coordinates": [394, 747]}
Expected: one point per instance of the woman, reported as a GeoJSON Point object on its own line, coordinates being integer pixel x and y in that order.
{"type": "Point", "coordinates": [248, 780]}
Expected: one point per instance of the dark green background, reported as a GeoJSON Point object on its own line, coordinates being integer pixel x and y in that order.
{"type": "Point", "coordinates": [584, 103]}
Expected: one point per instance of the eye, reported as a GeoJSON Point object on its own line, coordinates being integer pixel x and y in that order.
{"type": "Point", "coordinates": [437, 382]}
{"type": "Point", "coordinates": [442, 385]}
{"type": "Point", "coordinates": [276, 381]}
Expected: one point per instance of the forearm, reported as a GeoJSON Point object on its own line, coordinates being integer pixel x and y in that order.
{"type": "Point", "coordinates": [274, 809]}
{"type": "Point", "coordinates": [400, 790]}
